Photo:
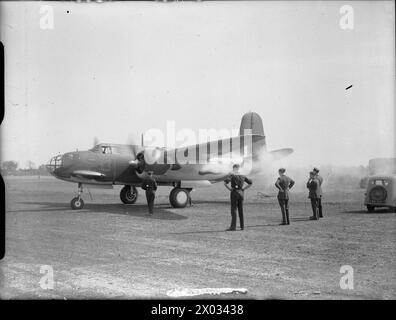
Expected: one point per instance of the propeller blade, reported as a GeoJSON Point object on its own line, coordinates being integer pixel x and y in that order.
{"type": "Point", "coordinates": [152, 154]}
{"type": "Point", "coordinates": [131, 142]}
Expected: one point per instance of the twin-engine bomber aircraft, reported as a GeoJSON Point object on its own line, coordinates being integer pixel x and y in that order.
{"type": "Point", "coordinates": [116, 164]}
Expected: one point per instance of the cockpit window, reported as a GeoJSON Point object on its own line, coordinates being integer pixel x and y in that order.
{"type": "Point", "coordinates": [106, 150]}
{"type": "Point", "coordinates": [111, 149]}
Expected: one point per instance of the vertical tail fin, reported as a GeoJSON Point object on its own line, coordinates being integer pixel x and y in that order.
{"type": "Point", "coordinates": [252, 121]}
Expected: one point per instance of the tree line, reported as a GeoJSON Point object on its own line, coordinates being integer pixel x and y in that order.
{"type": "Point", "coordinates": [11, 168]}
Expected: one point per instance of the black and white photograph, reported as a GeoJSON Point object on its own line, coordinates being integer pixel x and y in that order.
{"type": "Point", "coordinates": [198, 150]}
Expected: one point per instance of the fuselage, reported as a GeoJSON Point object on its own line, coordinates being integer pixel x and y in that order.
{"type": "Point", "coordinates": [115, 168]}
{"type": "Point", "coordinates": [111, 163]}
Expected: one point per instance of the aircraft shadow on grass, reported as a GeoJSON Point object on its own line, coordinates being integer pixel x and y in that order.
{"type": "Point", "coordinates": [162, 212]}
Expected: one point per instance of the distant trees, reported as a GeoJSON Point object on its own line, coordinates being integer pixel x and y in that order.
{"type": "Point", "coordinates": [10, 168]}
{"type": "Point", "coordinates": [30, 164]}
{"type": "Point", "coordinates": [42, 170]}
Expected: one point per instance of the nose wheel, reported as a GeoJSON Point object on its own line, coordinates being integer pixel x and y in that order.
{"type": "Point", "coordinates": [77, 202]}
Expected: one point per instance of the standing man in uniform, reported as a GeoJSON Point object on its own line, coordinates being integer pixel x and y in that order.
{"type": "Point", "coordinates": [237, 194]}
{"type": "Point", "coordinates": [313, 187]}
{"type": "Point", "coordinates": [320, 179]}
{"type": "Point", "coordinates": [150, 185]}
{"type": "Point", "coordinates": [284, 184]}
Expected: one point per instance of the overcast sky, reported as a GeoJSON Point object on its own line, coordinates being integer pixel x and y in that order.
{"type": "Point", "coordinates": [118, 69]}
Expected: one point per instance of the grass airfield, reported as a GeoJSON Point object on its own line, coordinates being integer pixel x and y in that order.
{"type": "Point", "coordinates": [110, 250]}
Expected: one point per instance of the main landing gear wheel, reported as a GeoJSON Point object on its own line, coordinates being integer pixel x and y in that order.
{"type": "Point", "coordinates": [77, 203]}
{"type": "Point", "coordinates": [179, 197]}
{"type": "Point", "coordinates": [370, 208]}
{"type": "Point", "coordinates": [128, 194]}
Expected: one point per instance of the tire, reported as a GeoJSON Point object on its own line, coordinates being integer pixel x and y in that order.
{"type": "Point", "coordinates": [77, 203]}
{"type": "Point", "coordinates": [179, 197]}
{"type": "Point", "coordinates": [378, 194]}
{"type": "Point", "coordinates": [370, 208]}
{"type": "Point", "coordinates": [128, 195]}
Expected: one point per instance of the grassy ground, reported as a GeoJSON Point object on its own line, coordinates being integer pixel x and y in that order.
{"type": "Point", "coordinates": [109, 250]}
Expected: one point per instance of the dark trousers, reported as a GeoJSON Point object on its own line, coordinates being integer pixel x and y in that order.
{"type": "Point", "coordinates": [315, 207]}
{"type": "Point", "coordinates": [150, 196]}
{"type": "Point", "coordinates": [284, 204]}
{"type": "Point", "coordinates": [320, 207]}
{"type": "Point", "coordinates": [236, 202]}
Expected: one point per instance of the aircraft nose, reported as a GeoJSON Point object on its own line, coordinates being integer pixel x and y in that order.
{"type": "Point", "coordinates": [54, 163]}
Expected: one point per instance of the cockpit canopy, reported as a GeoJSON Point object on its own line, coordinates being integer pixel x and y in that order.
{"type": "Point", "coordinates": [107, 148]}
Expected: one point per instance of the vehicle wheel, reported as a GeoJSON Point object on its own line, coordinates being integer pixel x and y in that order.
{"type": "Point", "coordinates": [128, 195]}
{"type": "Point", "coordinates": [370, 208]}
{"type": "Point", "coordinates": [77, 203]}
{"type": "Point", "coordinates": [178, 197]}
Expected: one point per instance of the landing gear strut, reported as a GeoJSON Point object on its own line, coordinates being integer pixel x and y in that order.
{"type": "Point", "coordinates": [77, 202]}
{"type": "Point", "coordinates": [179, 197]}
{"type": "Point", "coordinates": [129, 194]}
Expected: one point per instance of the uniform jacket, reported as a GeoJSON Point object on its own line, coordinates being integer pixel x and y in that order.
{"type": "Point", "coordinates": [284, 184]}
{"type": "Point", "coordinates": [313, 187]}
{"type": "Point", "coordinates": [237, 181]}
{"type": "Point", "coordinates": [149, 184]}
{"type": "Point", "coordinates": [320, 179]}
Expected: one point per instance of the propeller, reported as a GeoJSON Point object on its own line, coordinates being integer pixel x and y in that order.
{"type": "Point", "coordinates": [142, 157]}
{"type": "Point", "coordinates": [133, 146]}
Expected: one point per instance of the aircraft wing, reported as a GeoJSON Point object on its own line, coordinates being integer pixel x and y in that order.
{"type": "Point", "coordinates": [87, 174]}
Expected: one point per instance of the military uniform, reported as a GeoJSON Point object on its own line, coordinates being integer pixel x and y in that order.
{"type": "Point", "coordinates": [284, 183]}
{"type": "Point", "coordinates": [320, 179]}
{"type": "Point", "coordinates": [237, 195]}
{"type": "Point", "coordinates": [314, 195]}
{"type": "Point", "coordinates": [150, 186]}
